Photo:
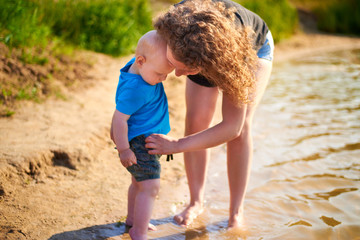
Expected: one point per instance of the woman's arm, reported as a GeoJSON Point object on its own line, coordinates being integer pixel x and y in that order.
{"type": "Point", "coordinates": [229, 128]}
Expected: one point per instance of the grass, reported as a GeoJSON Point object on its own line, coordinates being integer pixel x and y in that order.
{"type": "Point", "coordinates": [280, 16]}
{"type": "Point", "coordinates": [334, 16]}
{"type": "Point", "coordinates": [339, 17]}
{"type": "Point", "coordinates": [20, 25]}
{"type": "Point", "coordinates": [108, 26]}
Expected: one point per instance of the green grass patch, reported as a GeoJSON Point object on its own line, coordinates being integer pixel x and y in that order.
{"type": "Point", "coordinates": [20, 24]}
{"type": "Point", "coordinates": [30, 55]}
{"type": "Point", "coordinates": [108, 26]}
{"type": "Point", "coordinates": [334, 16]}
{"type": "Point", "coordinates": [339, 17]}
{"type": "Point", "coordinates": [280, 16]}
{"type": "Point", "coordinates": [28, 93]}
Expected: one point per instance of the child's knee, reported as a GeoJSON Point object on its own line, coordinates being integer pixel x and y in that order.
{"type": "Point", "coordinates": [154, 191]}
{"type": "Point", "coordinates": [152, 187]}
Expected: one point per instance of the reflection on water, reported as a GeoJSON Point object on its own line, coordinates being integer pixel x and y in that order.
{"type": "Point", "coordinates": [306, 171]}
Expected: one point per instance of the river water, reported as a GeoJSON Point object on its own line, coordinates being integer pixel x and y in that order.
{"type": "Point", "coordinates": [305, 176]}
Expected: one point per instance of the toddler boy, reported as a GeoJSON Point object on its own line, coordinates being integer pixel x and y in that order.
{"type": "Point", "coordinates": [141, 109]}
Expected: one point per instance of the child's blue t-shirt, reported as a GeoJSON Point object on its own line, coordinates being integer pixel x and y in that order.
{"type": "Point", "coordinates": [146, 104]}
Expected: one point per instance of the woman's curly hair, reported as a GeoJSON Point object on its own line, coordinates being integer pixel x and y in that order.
{"type": "Point", "coordinates": [203, 34]}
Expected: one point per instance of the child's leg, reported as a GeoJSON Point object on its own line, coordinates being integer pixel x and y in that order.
{"type": "Point", "coordinates": [144, 202]}
{"type": "Point", "coordinates": [133, 188]}
{"type": "Point", "coordinates": [132, 191]}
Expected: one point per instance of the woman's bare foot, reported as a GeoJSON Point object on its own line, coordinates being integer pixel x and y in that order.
{"type": "Point", "coordinates": [188, 215]}
{"type": "Point", "coordinates": [235, 221]}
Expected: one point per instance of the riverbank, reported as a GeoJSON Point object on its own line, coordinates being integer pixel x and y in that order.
{"type": "Point", "coordinates": [60, 177]}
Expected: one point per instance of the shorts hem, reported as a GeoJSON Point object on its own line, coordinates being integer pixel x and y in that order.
{"type": "Point", "coordinates": [267, 58]}
{"type": "Point", "coordinates": [148, 177]}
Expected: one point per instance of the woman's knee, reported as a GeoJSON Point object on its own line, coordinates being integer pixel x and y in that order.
{"type": "Point", "coordinates": [197, 122]}
{"type": "Point", "coordinates": [200, 106]}
{"type": "Point", "coordinates": [245, 132]}
{"type": "Point", "coordinates": [198, 118]}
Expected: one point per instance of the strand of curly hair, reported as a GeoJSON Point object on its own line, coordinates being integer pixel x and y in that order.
{"type": "Point", "coordinates": [203, 34]}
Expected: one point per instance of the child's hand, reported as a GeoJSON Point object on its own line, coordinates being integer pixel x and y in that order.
{"type": "Point", "coordinates": [127, 157]}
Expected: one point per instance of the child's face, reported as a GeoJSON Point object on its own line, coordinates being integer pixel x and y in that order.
{"type": "Point", "coordinates": [156, 69]}
{"type": "Point", "coordinates": [180, 68]}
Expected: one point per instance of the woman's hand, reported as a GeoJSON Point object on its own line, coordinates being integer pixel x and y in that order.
{"type": "Point", "coordinates": [161, 144]}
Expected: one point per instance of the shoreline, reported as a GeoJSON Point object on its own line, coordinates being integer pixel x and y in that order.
{"type": "Point", "coordinates": [307, 44]}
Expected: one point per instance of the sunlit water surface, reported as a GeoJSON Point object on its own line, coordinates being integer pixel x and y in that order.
{"type": "Point", "coordinates": [305, 176]}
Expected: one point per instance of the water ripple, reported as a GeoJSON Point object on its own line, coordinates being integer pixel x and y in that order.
{"type": "Point", "coordinates": [327, 195]}
{"type": "Point", "coordinates": [320, 155]}
{"type": "Point", "coordinates": [330, 221]}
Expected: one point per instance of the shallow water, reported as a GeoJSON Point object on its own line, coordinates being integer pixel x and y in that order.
{"type": "Point", "coordinates": [305, 176]}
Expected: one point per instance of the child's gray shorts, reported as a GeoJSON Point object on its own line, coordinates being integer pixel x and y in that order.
{"type": "Point", "coordinates": [148, 165]}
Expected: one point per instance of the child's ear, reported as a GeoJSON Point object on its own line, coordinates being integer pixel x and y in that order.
{"type": "Point", "coordinates": [140, 60]}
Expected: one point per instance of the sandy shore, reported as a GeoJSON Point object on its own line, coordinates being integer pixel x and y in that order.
{"type": "Point", "coordinates": [60, 177]}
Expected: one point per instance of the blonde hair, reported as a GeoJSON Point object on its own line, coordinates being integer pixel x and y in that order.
{"type": "Point", "coordinates": [151, 44]}
{"type": "Point", "coordinates": [203, 34]}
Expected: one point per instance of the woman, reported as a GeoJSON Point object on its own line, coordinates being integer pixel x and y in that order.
{"type": "Point", "coordinates": [219, 45]}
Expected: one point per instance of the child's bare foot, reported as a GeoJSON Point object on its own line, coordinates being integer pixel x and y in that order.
{"type": "Point", "coordinates": [151, 227]}
{"type": "Point", "coordinates": [134, 235]}
{"type": "Point", "coordinates": [188, 215]}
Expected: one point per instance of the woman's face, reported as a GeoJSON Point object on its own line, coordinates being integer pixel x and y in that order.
{"type": "Point", "coordinates": [180, 68]}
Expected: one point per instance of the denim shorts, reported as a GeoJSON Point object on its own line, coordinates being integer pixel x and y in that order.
{"type": "Point", "coordinates": [148, 165]}
{"type": "Point", "coordinates": [267, 49]}
{"type": "Point", "coordinates": [265, 52]}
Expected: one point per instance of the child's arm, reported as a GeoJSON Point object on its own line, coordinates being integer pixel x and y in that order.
{"type": "Point", "coordinates": [119, 134]}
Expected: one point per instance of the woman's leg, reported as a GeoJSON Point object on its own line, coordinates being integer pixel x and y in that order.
{"type": "Point", "coordinates": [240, 151]}
{"type": "Point", "coordinates": [200, 108]}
